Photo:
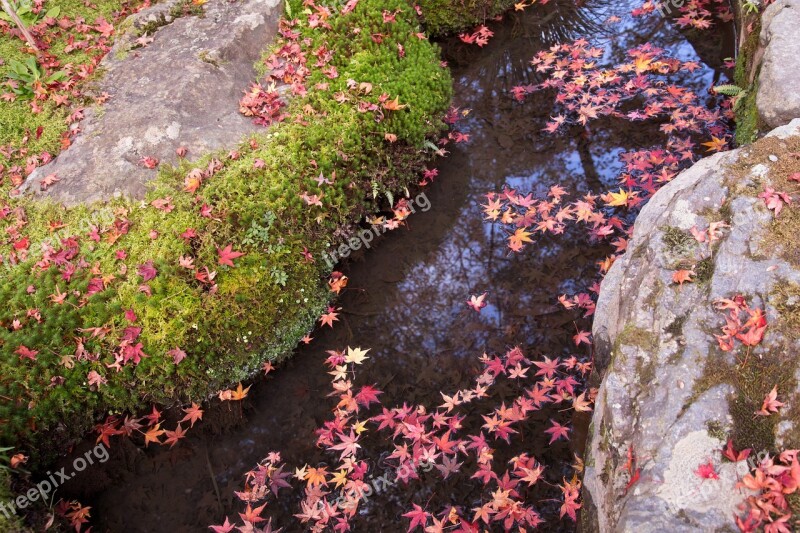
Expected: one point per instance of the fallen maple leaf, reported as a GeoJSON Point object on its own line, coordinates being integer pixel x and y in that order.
{"type": "Point", "coordinates": [581, 404]}
{"type": "Point", "coordinates": [707, 471]}
{"type": "Point", "coordinates": [26, 353]}
{"type": "Point", "coordinates": [233, 395]}
{"type": "Point", "coordinates": [152, 435]}
{"type": "Point", "coordinates": [174, 436]}
{"type": "Point", "coordinates": [771, 403]}
{"type": "Point", "coordinates": [557, 431]}
{"type": "Point", "coordinates": [177, 355]}
{"type": "Point", "coordinates": [356, 355]}
{"type": "Point", "coordinates": [227, 255]}
{"type": "Point", "coordinates": [681, 276]}
{"type": "Point", "coordinates": [716, 144]}
{"type": "Point", "coordinates": [193, 414]}
{"type": "Point", "coordinates": [774, 200]}
{"type": "Point", "coordinates": [477, 302]}
{"type": "Point", "coordinates": [731, 454]}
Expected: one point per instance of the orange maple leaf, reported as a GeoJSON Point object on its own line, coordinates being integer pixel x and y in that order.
{"type": "Point", "coordinates": [681, 276]}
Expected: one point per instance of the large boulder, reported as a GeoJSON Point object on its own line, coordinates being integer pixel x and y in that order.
{"type": "Point", "coordinates": [181, 89]}
{"type": "Point", "coordinates": [778, 99]}
{"type": "Point", "coordinates": [670, 397]}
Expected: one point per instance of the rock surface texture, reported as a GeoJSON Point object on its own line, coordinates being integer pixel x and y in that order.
{"type": "Point", "coordinates": [670, 398]}
{"type": "Point", "coordinates": [778, 98]}
{"type": "Point", "coordinates": [181, 89]}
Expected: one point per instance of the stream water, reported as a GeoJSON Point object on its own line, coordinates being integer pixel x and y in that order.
{"type": "Point", "coordinates": [406, 297]}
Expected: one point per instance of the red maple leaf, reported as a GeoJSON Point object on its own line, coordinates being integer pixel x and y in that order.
{"type": "Point", "coordinates": [147, 271]}
{"type": "Point", "coordinates": [227, 255]}
{"type": "Point", "coordinates": [735, 457]}
{"type": "Point", "coordinates": [418, 516]}
{"type": "Point", "coordinates": [26, 353]}
{"type": "Point", "coordinates": [707, 471]}
{"type": "Point", "coordinates": [193, 414]}
{"type": "Point", "coordinates": [226, 527]}
{"type": "Point", "coordinates": [174, 436]}
{"type": "Point", "coordinates": [557, 431]}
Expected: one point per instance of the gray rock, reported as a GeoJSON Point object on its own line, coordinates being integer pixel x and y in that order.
{"type": "Point", "coordinates": [778, 99]}
{"type": "Point", "coordinates": [654, 344]}
{"type": "Point", "coordinates": [182, 89]}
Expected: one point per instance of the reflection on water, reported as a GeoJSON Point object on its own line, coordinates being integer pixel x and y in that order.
{"type": "Point", "coordinates": [406, 299]}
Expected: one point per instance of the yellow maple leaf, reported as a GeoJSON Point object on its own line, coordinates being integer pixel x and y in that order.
{"type": "Point", "coordinates": [642, 64]}
{"type": "Point", "coordinates": [360, 427]}
{"type": "Point", "coordinates": [394, 105]}
{"type": "Point", "coordinates": [340, 478]}
{"type": "Point", "coordinates": [617, 199]}
{"type": "Point", "coordinates": [520, 236]}
{"type": "Point", "coordinates": [355, 355]}
{"type": "Point", "coordinates": [239, 393]}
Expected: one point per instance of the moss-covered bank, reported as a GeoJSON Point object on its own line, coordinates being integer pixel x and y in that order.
{"type": "Point", "coordinates": [101, 301]}
{"type": "Point", "coordinates": [448, 16]}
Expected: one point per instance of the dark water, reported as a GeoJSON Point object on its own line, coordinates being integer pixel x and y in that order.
{"type": "Point", "coordinates": [405, 300]}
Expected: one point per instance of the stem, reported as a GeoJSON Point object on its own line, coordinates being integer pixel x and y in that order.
{"type": "Point", "coordinates": [25, 33]}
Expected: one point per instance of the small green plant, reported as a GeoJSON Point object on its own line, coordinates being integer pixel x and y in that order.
{"type": "Point", "coordinates": [258, 233]}
{"type": "Point", "coordinates": [751, 6]}
{"type": "Point", "coordinates": [25, 10]}
{"type": "Point", "coordinates": [24, 77]}
{"type": "Point", "coordinates": [734, 91]}
{"type": "Point", "coordinates": [5, 461]}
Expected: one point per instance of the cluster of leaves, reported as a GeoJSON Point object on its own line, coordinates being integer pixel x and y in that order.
{"type": "Point", "coordinates": [696, 14]}
{"type": "Point", "coordinates": [447, 16]}
{"type": "Point", "coordinates": [636, 91]}
{"type": "Point", "coordinates": [749, 332]}
{"type": "Point", "coordinates": [106, 305]}
{"type": "Point", "coordinates": [771, 480]}
{"type": "Point", "coordinates": [464, 437]}
{"type": "Point", "coordinates": [148, 427]}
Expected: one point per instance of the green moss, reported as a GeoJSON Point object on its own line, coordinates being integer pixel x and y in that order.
{"type": "Point", "coordinates": [646, 370]}
{"type": "Point", "coordinates": [748, 123]}
{"type": "Point", "coordinates": [639, 337]}
{"type": "Point", "coordinates": [716, 430]}
{"type": "Point", "coordinates": [704, 270]}
{"type": "Point", "coordinates": [751, 383]}
{"type": "Point", "coordinates": [272, 297]}
{"type": "Point", "coordinates": [675, 329]}
{"type": "Point", "coordinates": [16, 119]}
{"type": "Point", "coordinates": [13, 523]}
{"type": "Point", "coordinates": [448, 16]}
{"type": "Point", "coordinates": [677, 240]}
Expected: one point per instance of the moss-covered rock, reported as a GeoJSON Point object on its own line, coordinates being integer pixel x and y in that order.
{"type": "Point", "coordinates": [96, 288]}
{"type": "Point", "coordinates": [448, 16]}
{"type": "Point", "coordinates": [673, 392]}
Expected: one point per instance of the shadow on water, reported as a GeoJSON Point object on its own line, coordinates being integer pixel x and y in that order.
{"type": "Point", "coordinates": [405, 300]}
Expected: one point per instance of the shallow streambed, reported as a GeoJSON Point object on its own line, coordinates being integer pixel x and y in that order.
{"type": "Point", "coordinates": [406, 297]}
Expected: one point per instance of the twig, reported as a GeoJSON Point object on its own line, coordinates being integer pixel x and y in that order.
{"type": "Point", "coordinates": [25, 33]}
{"type": "Point", "coordinates": [213, 479]}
